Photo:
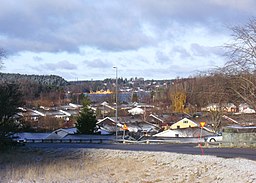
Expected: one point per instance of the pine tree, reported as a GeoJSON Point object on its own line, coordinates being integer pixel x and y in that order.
{"type": "Point", "coordinates": [10, 100]}
{"type": "Point", "coordinates": [86, 121]}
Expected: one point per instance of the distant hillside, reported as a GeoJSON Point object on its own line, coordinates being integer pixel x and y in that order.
{"type": "Point", "coordinates": [49, 80]}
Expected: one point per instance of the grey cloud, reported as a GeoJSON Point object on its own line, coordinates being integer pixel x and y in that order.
{"type": "Point", "coordinates": [162, 58]}
{"type": "Point", "coordinates": [199, 50]}
{"type": "Point", "coordinates": [66, 65]}
{"type": "Point", "coordinates": [217, 50]}
{"type": "Point", "coordinates": [65, 25]}
{"type": "Point", "coordinates": [15, 45]}
{"type": "Point", "coordinates": [197, 11]}
{"type": "Point", "coordinates": [62, 65]}
{"type": "Point", "coordinates": [140, 59]}
{"type": "Point", "coordinates": [181, 52]}
{"type": "Point", "coordinates": [36, 58]}
{"type": "Point", "coordinates": [211, 63]}
{"type": "Point", "coordinates": [98, 63]}
{"type": "Point", "coordinates": [50, 26]}
{"type": "Point", "coordinates": [170, 72]}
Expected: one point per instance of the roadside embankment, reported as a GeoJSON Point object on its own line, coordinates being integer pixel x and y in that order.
{"type": "Point", "coordinates": [98, 165]}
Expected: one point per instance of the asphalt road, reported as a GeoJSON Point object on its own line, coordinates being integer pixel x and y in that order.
{"type": "Point", "coordinates": [176, 148]}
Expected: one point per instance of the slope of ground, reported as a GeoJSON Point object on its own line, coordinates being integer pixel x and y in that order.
{"type": "Point", "coordinates": [96, 165]}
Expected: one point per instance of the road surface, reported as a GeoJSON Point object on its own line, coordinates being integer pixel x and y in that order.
{"type": "Point", "coordinates": [175, 148]}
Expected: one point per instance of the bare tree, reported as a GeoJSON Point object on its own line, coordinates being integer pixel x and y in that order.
{"type": "Point", "coordinates": [242, 50]}
{"type": "Point", "coordinates": [241, 67]}
{"type": "Point", "coordinates": [2, 55]}
{"type": "Point", "coordinates": [210, 88]}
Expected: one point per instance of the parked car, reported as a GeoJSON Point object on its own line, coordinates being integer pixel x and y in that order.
{"type": "Point", "coordinates": [214, 138]}
{"type": "Point", "coordinates": [19, 140]}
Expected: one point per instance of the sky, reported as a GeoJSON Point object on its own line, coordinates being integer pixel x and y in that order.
{"type": "Point", "coordinates": [85, 39]}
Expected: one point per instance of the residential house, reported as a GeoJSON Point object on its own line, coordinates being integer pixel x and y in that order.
{"type": "Point", "coordinates": [134, 123]}
{"type": "Point", "coordinates": [184, 132]}
{"type": "Point", "coordinates": [105, 109]}
{"type": "Point", "coordinates": [136, 111]}
{"type": "Point", "coordinates": [138, 124]}
{"type": "Point", "coordinates": [184, 123]}
{"type": "Point", "coordinates": [31, 115]}
{"type": "Point", "coordinates": [107, 126]}
{"type": "Point", "coordinates": [228, 107]}
{"type": "Point", "coordinates": [75, 106]}
{"type": "Point", "coordinates": [61, 133]}
{"type": "Point", "coordinates": [154, 119]}
{"type": "Point", "coordinates": [245, 108]}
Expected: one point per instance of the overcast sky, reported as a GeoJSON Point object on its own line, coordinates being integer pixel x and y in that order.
{"type": "Point", "coordinates": [84, 39]}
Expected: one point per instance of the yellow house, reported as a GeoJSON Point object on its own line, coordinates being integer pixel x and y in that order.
{"type": "Point", "coordinates": [184, 123]}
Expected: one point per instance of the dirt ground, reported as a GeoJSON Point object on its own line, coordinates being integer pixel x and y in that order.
{"type": "Point", "coordinates": [98, 165]}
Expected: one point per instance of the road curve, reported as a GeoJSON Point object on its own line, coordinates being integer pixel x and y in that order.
{"type": "Point", "coordinates": [193, 149]}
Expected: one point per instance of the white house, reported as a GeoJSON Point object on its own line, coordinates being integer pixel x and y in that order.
{"type": "Point", "coordinates": [228, 107]}
{"type": "Point", "coordinates": [136, 111]}
{"type": "Point", "coordinates": [185, 132]}
{"type": "Point", "coordinates": [245, 108]}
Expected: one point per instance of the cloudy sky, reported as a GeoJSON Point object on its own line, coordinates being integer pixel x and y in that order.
{"type": "Point", "coordinates": [84, 39]}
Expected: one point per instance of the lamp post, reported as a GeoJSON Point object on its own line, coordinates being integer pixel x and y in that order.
{"type": "Point", "coordinates": [116, 100]}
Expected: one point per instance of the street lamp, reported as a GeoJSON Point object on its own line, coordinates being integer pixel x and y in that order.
{"type": "Point", "coordinates": [116, 99]}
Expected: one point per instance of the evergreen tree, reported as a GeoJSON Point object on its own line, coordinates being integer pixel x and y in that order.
{"type": "Point", "coordinates": [10, 100]}
{"type": "Point", "coordinates": [134, 97]}
{"type": "Point", "coordinates": [86, 121]}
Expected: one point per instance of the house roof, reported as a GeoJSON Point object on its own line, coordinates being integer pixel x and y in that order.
{"type": "Point", "coordinates": [142, 126]}
{"type": "Point", "coordinates": [136, 111]}
{"type": "Point", "coordinates": [68, 130]}
{"type": "Point", "coordinates": [106, 119]}
{"type": "Point", "coordinates": [156, 117]}
{"type": "Point", "coordinates": [185, 132]}
{"type": "Point", "coordinates": [186, 119]}
{"type": "Point", "coordinates": [61, 133]}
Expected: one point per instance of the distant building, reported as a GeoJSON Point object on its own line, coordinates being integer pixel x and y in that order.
{"type": "Point", "coordinates": [229, 107]}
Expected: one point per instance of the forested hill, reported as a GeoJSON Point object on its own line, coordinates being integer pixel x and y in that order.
{"type": "Point", "coordinates": [49, 80]}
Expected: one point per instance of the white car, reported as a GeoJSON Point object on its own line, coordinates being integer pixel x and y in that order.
{"type": "Point", "coordinates": [19, 140]}
{"type": "Point", "coordinates": [214, 138]}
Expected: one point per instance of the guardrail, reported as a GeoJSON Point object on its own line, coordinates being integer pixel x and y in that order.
{"type": "Point", "coordinates": [148, 141]}
{"type": "Point", "coordinates": [157, 142]}
{"type": "Point", "coordinates": [98, 141]}
{"type": "Point", "coordinates": [104, 140]}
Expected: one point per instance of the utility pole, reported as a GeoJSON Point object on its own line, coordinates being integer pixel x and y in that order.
{"type": "Point", "coordinates": [116, 99]}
